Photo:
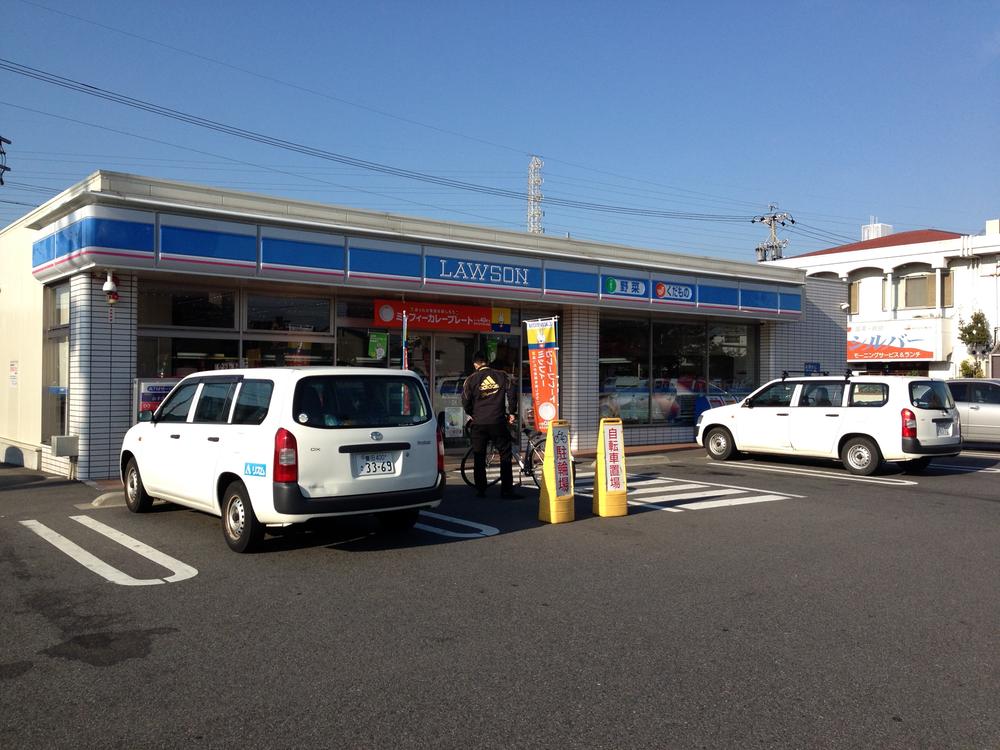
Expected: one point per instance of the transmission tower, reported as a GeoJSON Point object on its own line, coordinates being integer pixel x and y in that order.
{"type": "Point", "coordinates": [770, 249]}
{"type": "Point", "coordinates": [535, 196]}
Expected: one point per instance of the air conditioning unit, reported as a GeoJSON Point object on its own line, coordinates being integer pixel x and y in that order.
{"type": "Point", "coordinates": [65, 446]}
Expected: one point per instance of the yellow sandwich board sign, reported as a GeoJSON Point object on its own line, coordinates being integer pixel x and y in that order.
{"type": "Point", "coordinates": [556, 497]}
{"type": "Point", "coordinates": [610, 491]}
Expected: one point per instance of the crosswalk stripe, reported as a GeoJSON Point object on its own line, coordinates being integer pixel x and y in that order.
{"type": "Point", "coordinates": [668, 489]}
{"type": "Point", "coordinates": [654, 506]}
{"type": "Point", "coordinates": [732, 501]}
{"type": "Point", "coordinates": [706, 492]}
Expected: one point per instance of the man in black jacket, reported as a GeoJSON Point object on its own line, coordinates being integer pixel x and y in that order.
{"type": "Point", "coordinates": [488, 397]}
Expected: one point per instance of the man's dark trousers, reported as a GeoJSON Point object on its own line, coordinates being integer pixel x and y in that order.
{"type": "Point", "coordinates": [500, 435]}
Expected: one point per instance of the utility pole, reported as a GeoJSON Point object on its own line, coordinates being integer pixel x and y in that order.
{"type": "Point", "coordinates": [3, 158]}
{"type": "Point", "coordinates": [535, 196]}
{"type": "Point", "coordinates": [770, 249]}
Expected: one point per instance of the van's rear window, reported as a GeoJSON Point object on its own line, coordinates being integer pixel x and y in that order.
{"type": "Point", "coordinates": [930, 394]}
{"type": "Point", "coordinates": [334, 401]}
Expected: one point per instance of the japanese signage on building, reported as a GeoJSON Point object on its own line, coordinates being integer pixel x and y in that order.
{"type": "Point", "coordinates": [896, 341]}
{"type": "Point", "coordinates": [544, 365]}
{"type": "Point", "coordinates": [428, 316]}
{"type": "Point", "coordinates": [618, 286]}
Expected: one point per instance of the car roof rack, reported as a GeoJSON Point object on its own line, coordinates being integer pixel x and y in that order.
{"type": "Point", "coordinates": [811, 373]}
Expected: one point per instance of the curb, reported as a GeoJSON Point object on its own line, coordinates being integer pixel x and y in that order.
{"type": "Point", "coordinates": [108, 500]}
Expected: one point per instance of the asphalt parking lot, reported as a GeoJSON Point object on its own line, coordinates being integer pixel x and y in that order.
{"type": "Point", "coordinates": [753, 602]}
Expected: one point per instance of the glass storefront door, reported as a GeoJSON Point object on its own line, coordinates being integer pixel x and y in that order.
{"type": "Point", "coordinates": [452, 358]}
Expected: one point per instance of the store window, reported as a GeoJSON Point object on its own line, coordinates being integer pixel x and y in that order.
{"type": "Point", "coordinates": [362, 347]}
{"type": "Point", "coordinates": [678, 367]}
{"type": "Point", "coordinates": [623, 369]}
{"type": "Point", "coordinates": [287, 353]}
{"type": "Point", "coordinates": [269, 313]}
{"type": "Point", "coordinates": [732, 360]}
{"type": "Point", "coordinates": [186, 307]}
{"type": "Point", "coordinates": [166, 357]}
{"type": "Point", "coordinates": [853, 297]}
{"type": "Point", "coordinates": [55, 363]}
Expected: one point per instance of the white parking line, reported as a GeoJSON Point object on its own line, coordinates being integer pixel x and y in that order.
{"type": "Point", "coordinates": [966, 469]}
{"type": "Point", "coordinates": [181, 571]}
{"type": "Point", "coordinates": [482, 529]}
{"type": "Point", "coordinates": [97, 565]}
{"type": "Point", "coordinates": [820, 474]}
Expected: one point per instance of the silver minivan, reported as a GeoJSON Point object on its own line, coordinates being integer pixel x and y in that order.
{"type": "Point", "coordinates": [978, 402]}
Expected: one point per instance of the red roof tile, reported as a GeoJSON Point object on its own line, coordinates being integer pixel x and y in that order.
{"type": "Point", "coordinates": [914, 237]}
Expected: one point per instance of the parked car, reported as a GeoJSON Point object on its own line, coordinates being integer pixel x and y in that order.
{"type": "Point", "coordinates": [277, 446]}
{"type": "Point", "coordinates": [861, 420]}
{"type": "Point", "coordinates": [978, 402]}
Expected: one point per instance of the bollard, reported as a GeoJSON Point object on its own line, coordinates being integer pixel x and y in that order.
{"type": "Point", "coordinates": [556, 498]}
{"type": "Point", "coordinates": [610, 491]}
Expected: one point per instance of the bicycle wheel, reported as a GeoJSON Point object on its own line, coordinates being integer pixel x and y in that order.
{"type": "Point", "coordinates": [492, 466]}
{"type": "Point", "coordinates": [536, 453]}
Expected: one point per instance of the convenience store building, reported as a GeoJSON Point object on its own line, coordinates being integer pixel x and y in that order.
{"type": "Point", "coordinates": [208, 279]}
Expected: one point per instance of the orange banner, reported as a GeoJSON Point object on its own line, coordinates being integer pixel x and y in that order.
{"type": "Point", "coordinates": [543, 362]}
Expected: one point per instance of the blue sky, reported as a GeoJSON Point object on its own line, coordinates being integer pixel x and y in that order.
{"type": "Point", "coordinates": [836, 111]}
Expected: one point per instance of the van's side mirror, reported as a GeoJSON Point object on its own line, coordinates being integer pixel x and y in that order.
{"type": "Point", "coordinates": [146, 416]}
{"type": "Point", "coordinates": [748, 403]}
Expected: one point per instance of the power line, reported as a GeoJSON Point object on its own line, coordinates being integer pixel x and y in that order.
{"type": "Point", "coordinates": [320, 153]}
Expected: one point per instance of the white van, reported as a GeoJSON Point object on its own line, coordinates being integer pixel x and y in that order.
{"type": "Point", "coordinates": [860, 420]}
{"type": "Point", "coordinates": [277, 446]}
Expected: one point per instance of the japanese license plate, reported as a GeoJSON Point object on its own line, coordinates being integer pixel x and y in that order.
{"type": "Point", "coordinates": [944, 430]}
{"type": "Point", "coordinates": [366, 464]}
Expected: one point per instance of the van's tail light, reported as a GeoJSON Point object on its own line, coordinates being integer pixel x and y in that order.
{"type": "Point", "coordinates": [909, 426]}
{"type": "Point", "coordinates": [286, 457]}
{"type": "Point", "coordinates": [440, 441]}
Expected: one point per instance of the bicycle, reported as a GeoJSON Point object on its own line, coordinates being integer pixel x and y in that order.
{"type": "Point", "coordinates": [529, 463]}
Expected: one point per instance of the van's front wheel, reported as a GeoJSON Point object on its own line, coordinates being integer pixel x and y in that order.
{"type": "Point", "coordinates": [719, 444]}
{"type": "Point", "coordinates": [240, 526]}
{"type": "Point", "coordinates": [861, 456]}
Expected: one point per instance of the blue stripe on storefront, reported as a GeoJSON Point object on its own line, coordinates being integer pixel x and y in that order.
{"type": "Point", "coordinates": [385, 262]}
{"type": "Point", "coordinates": [718, 295]}
{"type": "Point", "coordinates": [303, 254]}
{"type": "Point", "coordinates": [758, 300]}
{"type": "Point", "coordinates": [578, 282]}
{"type": "Point", "coordinates": [93, 232]}
{"type": "Point", "coordinates": [790, 302]}
{"type": "Point", "coordinates": [200, 243]}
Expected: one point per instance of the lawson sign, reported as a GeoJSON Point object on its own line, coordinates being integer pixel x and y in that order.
{"type": "Point", "coordinates": [473, 273]}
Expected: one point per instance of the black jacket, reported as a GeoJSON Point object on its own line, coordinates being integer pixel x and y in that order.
{"type": "Point", "coordinates": [488, 396]}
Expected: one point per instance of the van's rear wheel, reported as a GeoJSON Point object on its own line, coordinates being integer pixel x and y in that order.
{"type": "Point", "coordinates": [861, 456]}
{"type": "Point", "coordinates": [719, 444]}
{"type": "Point", "coordinates": [240, 526]}
{"type": "Point", "coordinates": [916, 465]}
{"type": "Point", "coordinates": [399, 520]}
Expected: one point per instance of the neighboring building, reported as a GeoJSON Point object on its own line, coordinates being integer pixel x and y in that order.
{"type": "Point", "coordinates": [907, 294]}
{"type": "Point", "coordinates": [210, 279]}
